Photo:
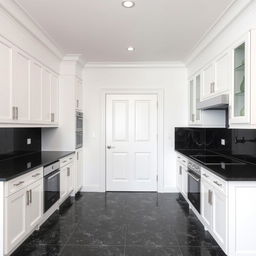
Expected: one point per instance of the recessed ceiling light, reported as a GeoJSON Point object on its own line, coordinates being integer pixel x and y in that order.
{"type": "Point", "coordinates": [131, 49]}
{"type": "Point", "coordinates": [128, 4]}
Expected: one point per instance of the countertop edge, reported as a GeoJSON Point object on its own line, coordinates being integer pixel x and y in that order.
{"type": "Point", "coordinates": [67, 153]}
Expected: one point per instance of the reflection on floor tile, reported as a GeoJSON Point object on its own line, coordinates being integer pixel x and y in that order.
{"type": "Point", "coordinates": [117, 224]}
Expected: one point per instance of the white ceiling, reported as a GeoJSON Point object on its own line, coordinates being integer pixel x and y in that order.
{"type": "Point", "coordinates": [101, 30]}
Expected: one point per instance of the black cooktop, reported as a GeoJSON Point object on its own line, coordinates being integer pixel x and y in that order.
{"type": "Point", "coordinates": [214, 159]}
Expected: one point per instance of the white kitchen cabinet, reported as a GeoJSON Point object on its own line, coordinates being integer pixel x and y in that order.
{"type": "Point", "coordinates": [63, 183]}
{"type": "Point", "coordinates": [179, 177]}
{"type": "Point", "coordinates": [35, 207]}
{"type": "Point", "coordinates": [219, 217]}
{"type": "Point", "coordinates": [194, 99]}
{"type": "Point", "coordinates": [46, 96]}
{"type": "Point", "coordinates": [223, 72]}
{"type": "Point", "coordinates": [70, 176]}
{"type": "Point", "coordinates": [79, 169]}
{"type": "Point", "coordinates": [35, 92]}
{"type": "Point", "coordinates": [54, 99]}
{"type": "Point", "coordinates": [208, 81]}
{"type": "Point", "coordinates": [5, 81]}
{"type": "Point", "coordinates": [240, 92]}
{"type": "Point", "coordinates": [20, 86]}
{"type": "Point", "coordinates": [206, 203]}
{"type": "Point", "coordinates": [15, 219]}
{"type": "Point", "coordinates": [79, 95]}
{"type": "Point", "coordinates": [184, 189]}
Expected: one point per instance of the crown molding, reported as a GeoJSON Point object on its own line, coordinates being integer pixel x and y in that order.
{"type": "Point", "coordinates": [78, 58]}
{"type": "Point", "coordinates": [134, 65]}
{"type": "Point", "coordinates": [227, 16]}
{"type": "Point", "coordinates": [22, 17]}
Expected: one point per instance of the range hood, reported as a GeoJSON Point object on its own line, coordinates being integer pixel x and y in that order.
{"type": "Point", "coordinates": [218, 102]}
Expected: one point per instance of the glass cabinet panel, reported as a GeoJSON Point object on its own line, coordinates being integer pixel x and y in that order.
{"type": "Point", "coordinates": [239, 81]}
{"type": "Point", "coordinates": [198, 90]}
{"type": "Point", "coordinates": [191, 101]}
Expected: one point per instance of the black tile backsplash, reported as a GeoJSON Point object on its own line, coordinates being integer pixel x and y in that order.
{"type": "Point", "coordinates": [240, 143]}
{"type": "Point", "coordinates": [13, 141]}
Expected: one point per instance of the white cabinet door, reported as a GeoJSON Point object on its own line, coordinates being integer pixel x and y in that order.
{"type": "Point", "coordinates": [20, 90]}
{"type": "Point", "coordinates": [79, 95]}
{"type": "Point", "coordinates": [35, 92]}
{"type": "Point", "coordinates": [46, 96]}
{"type": "Point", "coordinates": [223, 72]}
{"type": "Point", "coordinates": [35, 207]}
{"type": "Point", "coordinates": [208, 81]}
{"type": "Point", "coordinates": [191, 102]}
{"type": "Point", "coordinates": [219, 223]}
{"type": "Point", "coordinates": [184, 182]}
{"type": "Point", "coordinates": [206, 202]}
{"type": "Point", "coordinates": [54, 99]}
{"type": "Point", "coordinates": [5, 82]}
{"type": "Point", "coordinates": [70, 177]}
{"type": "Point", "coordinates": [63, 183]}
{"type": "Point", "coordinates": [15, 219]}
{"type": "Point", "coordinates": [240, 93]}
{"type": "Point", "coordinates": [179, 177]}
{"type": "Point", "coordinates": [79, 171]}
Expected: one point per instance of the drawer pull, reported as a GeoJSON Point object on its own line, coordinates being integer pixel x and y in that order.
{"type": "Point", "coordinates": [18, 184]}
{"type": "Point", "coordinates": [70, 158]}
{"type": "Point", "coordinates": [35, 175]}
{"type": "Point", "coordinates": [218, 184]}
{"type": "Point", "coordinates": [183, 161]}
{"type": "Point", "coordinates": [205, 175]}
{"type": "Point", "coordinates": [64, 161]}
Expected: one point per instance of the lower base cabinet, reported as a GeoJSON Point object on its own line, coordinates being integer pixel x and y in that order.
{"type": "Point", "coordinates": [23, 211]}
{"type": "Point", "coordinates": [66, 180]}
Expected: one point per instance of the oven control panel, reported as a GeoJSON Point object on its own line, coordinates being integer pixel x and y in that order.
{"type": "Point", "coordinates": [194, 167]}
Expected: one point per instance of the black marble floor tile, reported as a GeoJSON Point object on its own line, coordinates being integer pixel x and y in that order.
{"type": "Point", "coordinates": [117, 224]}
{"type": "Point", "coordinates": [152, 251]}
{"type": "Point", "coordinates": [202, 251]}
{"type": "Point", "coordinates": [71, 250]}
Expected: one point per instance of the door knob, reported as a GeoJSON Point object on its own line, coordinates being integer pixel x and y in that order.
{"type": "Point", "coordinates": [109, 147]}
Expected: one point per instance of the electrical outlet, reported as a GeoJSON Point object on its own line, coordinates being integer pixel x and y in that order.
{"type": "Point", "coordinates": [223, 142]}
{"type": "Point", "coordinates": [29, 141]}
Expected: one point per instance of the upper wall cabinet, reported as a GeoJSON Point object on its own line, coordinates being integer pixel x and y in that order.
{"type": "Point", "coordinates": [240, 92]}
{"type": "Point", "coordinates": [216, 76]}
{"type": "Point", "coordinates": [194, 99]}
{"type": "Point", "coordinates": [5, 81]}
{"type": "Point", "coordinates": [29, 92]}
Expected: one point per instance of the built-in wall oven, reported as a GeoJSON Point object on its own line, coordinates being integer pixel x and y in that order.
{"type": "Point", "coordinates": [51, 185]}
{"type": "Point", "coordinates": [194, 186]}
{"type": "Point", "coordinates": [79, 129]}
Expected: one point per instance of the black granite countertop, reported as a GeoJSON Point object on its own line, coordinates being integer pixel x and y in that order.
{"type": "Point", "coordinates": [17, 166]}
{"type": "Point", "coordinates": [242, 172]}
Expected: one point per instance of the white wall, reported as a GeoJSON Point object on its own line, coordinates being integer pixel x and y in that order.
{"type": "Point", "coordinates": [174, 83]}
{"type": "Point", "coordinates": [245, 21]}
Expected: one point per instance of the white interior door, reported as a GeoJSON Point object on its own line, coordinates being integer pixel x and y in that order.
{"type": "Point", "coordinates": [131, 143]}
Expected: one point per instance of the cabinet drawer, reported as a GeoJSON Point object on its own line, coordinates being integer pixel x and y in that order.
{"type": "Point", "coordinates": [66, 160]}
{"type": "Point", "coordinates": [23, 181]}
{"type": "Point", "coordinates": [215, 181]}
{"type": "Point", "coordinates": [183, 160]}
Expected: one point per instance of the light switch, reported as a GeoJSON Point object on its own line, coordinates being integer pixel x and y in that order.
{"type": "Point", "coordinates": [29, 141]}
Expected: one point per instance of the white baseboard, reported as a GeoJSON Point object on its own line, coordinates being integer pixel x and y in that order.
{"type": "Point", "coordinates": [168, 190]}
{"type": "Point", "coordinates": [91, 188]}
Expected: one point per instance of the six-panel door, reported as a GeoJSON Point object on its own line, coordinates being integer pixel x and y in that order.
{"type": "Point", "coordinates": [131, 142]}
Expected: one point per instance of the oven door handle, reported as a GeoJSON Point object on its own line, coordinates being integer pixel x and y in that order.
{"type": "Point", "coordinates": [51, 177]}
{"type": "Point", "coordinates": [194, 177]}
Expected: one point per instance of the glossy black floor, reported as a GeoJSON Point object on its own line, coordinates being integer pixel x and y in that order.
{"type": "Point", "coordinates": [115, 224]}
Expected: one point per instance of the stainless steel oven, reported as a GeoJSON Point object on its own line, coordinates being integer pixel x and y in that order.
{"type": "Point", "coordinates": [194, 186]}
{"type": "Point", "coordinates": [79, 121]}
{"type": "Point", "coordinates": [79, 130]}
{"type": "Point", "coordinates": [51, 185]}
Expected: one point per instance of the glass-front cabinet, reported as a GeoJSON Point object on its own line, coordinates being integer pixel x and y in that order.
{"type": "Point", "coordinates": [240, 93]}
{"type": "Point", "coordinates": [194, 99]}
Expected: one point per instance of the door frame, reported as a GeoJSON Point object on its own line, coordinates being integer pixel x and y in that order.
{"type": "Point", "coordinates": [160, 130]}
